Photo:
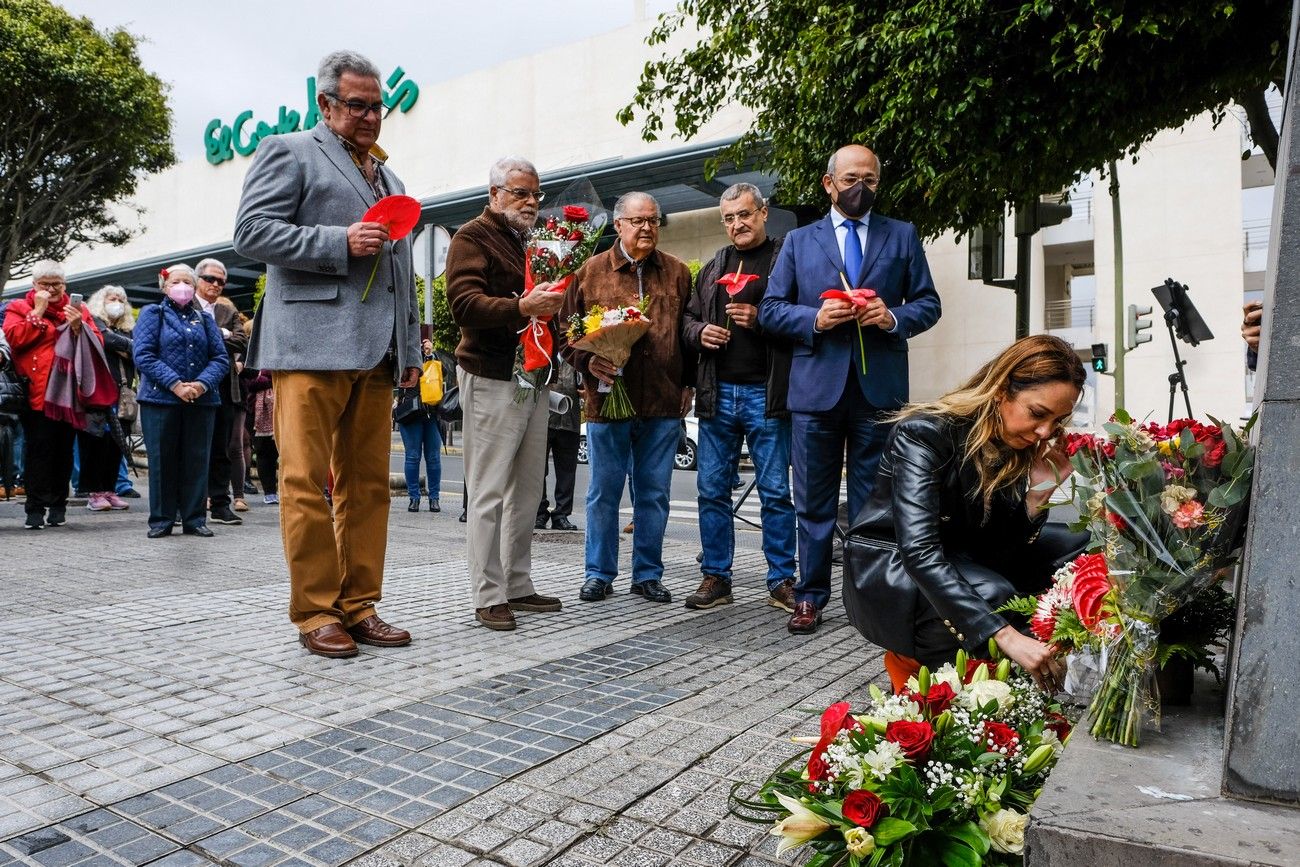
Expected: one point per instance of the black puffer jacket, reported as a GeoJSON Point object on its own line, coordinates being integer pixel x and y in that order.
{"type": "Point", "coordinates": [923, 557]}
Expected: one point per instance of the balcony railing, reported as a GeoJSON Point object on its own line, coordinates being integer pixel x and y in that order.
{"type": "Point", "coordinates": [1254, 245]}
{"type": "Point", "coordinates": [1065, 313]}
{"type": "Point", "coordinates": [1080, 201]}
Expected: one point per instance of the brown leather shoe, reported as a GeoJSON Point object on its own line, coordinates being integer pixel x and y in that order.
{"type": "Point", "coordinates": [376, 632]}
{"type": "Point", "coordinates": [805, 619]}
{"type": "Point", "coordinates": [712, 591]}
{"type": "Point", "coordinates": [496, 617]}
{"type": "Point", "coordinates": [329, 640]}
{"type": "Point", "coordinates": [536, 602]}
{"type": "Point", "coordinates": [782, 596]}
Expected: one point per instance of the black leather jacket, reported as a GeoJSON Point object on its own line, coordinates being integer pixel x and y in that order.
{"type": "Point", "coordinates": [923, 541]}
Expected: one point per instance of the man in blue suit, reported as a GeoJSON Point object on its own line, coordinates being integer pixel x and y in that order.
{"type": "Point", "coordinates": [850, 361]}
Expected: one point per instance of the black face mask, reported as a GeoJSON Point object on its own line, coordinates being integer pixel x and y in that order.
{"type": "Point", "coordinates": [856, 200]}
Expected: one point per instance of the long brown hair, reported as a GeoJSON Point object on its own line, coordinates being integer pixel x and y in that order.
{"type": "Point", "coordinates": [1029, 362]}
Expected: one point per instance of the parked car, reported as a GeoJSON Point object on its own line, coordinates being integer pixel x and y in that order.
{"type": "Point", "coordinates": [686, 457]}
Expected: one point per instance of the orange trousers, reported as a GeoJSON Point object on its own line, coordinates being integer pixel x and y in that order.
{"type": "Point", "coordinates": [900, 668]}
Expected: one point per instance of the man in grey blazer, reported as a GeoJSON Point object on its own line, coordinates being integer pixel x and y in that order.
{"type": "Point", "coordinates": [335, 357]}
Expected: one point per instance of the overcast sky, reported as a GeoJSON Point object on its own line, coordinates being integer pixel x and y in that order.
{"type": "Point", "coordinates": [223, 57]}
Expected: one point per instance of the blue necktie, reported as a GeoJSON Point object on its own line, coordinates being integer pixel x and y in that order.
{"type": "Point", "coordinates": [852, 252]}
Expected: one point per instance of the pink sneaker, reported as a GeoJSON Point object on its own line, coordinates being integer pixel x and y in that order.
{"type": "Point", "coordinates": [115, 502]}
{"type": "Point", "coordinates": [99, 503]}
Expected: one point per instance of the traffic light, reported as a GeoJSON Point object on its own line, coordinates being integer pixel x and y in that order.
{"type": "Point", "coordinates": [1136, 326]}
{"type": "Point", "coordinates": [1099, 357]}
{"type": "Point", "coordinates": [1040, 215]}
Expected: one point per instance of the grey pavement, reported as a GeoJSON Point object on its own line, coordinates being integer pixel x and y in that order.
{"type": "Point", "coordinates": [156, 708]}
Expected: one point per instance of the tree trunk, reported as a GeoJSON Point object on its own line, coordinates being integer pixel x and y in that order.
{"type": "Point", "coordinates": [1262, 131]}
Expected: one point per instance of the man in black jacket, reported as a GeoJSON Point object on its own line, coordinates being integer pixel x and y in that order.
{"type": "Point", "coordinates": [211, 283]}
{"type": "Point", "coordinates": [741, 388]}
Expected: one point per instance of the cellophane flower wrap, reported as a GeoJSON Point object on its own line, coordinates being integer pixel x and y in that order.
{"type": "Point", "coordinates": [565, 238]}
{"type": "Point", "coordinates": [611, 334]}
{"type": "Point", "coordinates": [1165, 505]}
{"type": "Point", "coordinates": [945, 772]}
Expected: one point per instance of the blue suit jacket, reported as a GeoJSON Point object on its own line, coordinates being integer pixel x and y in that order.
{"type": "Point", "coordinates": [810, 263]}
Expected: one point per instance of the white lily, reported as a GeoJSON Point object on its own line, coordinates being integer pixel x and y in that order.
{"type": "Point", "coordinates": [799, 827]}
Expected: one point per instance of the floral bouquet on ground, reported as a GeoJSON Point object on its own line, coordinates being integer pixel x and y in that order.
{"type": "Point", "coordinates": [556, 249]}
{"type": "Point", "coordinates": [611, 334]}
{"type": "Point", "coordinates": [1166, 505]}
{"type": "Point", "coordinates": [942, 773]}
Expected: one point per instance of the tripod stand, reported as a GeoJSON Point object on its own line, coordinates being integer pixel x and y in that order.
{"type": "Point", "coordinates": [1178, 378]}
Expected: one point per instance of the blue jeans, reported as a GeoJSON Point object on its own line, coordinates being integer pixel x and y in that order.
{"type": "Point", "coordinates": [644, 448]}
{"type": "Point", "coordinates": [741, 416]}
{"type": "Point", "coordinates": [818, 444]}
{"type": "Point", "coordinates": [421, 437]}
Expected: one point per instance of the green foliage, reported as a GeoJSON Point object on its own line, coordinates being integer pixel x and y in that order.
{"type": "Point", "coordinates": [80, 125]}
{"type": "Point", "coordinates": [971, 104]}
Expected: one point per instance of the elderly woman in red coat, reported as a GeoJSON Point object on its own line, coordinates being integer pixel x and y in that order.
{"type": "Point", "coordinates": [31, 325]}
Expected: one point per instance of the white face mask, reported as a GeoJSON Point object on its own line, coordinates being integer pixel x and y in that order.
{"type": "Point", "coordinates": [115, 309]}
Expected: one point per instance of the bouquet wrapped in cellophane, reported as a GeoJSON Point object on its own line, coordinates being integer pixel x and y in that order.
{"type": "Point", "coordinates": [1166, 505]}
{"type": "Point", "coordinates": [566, 238]}
{"type": "Point", "coordinates": [943, 773]}
{"type": "Point", "coordinates": [610, 334]}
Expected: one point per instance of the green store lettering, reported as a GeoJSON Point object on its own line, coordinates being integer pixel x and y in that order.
{"type": "Point", "coordinates": [222, 142]}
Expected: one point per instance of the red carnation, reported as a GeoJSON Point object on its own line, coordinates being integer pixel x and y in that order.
{"type": "Point", "coordinates": [1214, 456]}
{"type": "Point", "coordinates": [936, 700]}
{"type": "Point", "coordinates": [1001, 738]}
{"type": "Point", "coordinates": [1059, 724]}
{"type": "Point", "coordinates": [1116, 521]}
{"type": "Point", "coordinates": [575, 213]}
{"type": "Point", "coordinates": [863, 808]}
{"type": "Point", "coordinates": [913, 738]}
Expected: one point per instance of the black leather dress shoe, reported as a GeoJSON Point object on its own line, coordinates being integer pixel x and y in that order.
{"type": "Point", "coordinates": [595, 590]}
{"type": "Point", "coordinates": [201, 531]}
{"type": "Point", "coordinates": [560, 522]}
{"type": "Point", "coordinates": [540, 523]}
{"type": "Point", "coordinates": [652, 590]}
{"type": "Point", "coordinates": [159, 532]}
{"type": "Point", "coordinates": [414, 505]}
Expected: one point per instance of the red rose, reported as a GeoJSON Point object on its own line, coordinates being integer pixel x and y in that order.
{"type": "Point", "coordinates": [937, 700]}
{"type": "Point", "coordinates": [973, 665]}
{"type": "Point", "coordinates": [575, 213]}
{"type": "Point", "coordinates": [863, 808]}
{"type": "Point", "coordinates": [1214, 456]}
{"type": "Point", "coordinates": [551, 224]}
{"type": "Point", "coordinates": [1076, 442]}
{"type": "Point", "coordinates": [1000, 737]}
{"type": "Point", "coordinates": [575, 235]}
{"type": "Point", "coordinates": [1089, 588]}
{"type": "Point", "coordinates": [1059, 724]}
{"type": "Point", "coordinates": [913, 738]}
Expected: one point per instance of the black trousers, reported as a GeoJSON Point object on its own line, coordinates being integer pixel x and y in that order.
{"type": "Point", "coordinates": [219, 457]}
{"type": "Point", "coordinates": [178, 439]}
{"type": "Point", "coordinates": [47, 460]}
{"type": "Point", "coordinates": [563, 448]}
{"type": "Point", "coordinates": [268, 463]}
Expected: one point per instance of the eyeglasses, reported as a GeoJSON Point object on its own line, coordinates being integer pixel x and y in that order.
{"type": "Point", "coordinates": [846, 181]}
{"type": "Point", "coordinates": [51, 284]}
{"type": "Point", "coordinates": [638, 222]}
{"type": "Point", "coordinates": [521, 193]}
{"type": "Point", "coordinates": [215, 281]}
{"type": "Point", "coordinates": [742, 216]}
{"type": "Point", "coordinates": [358, 109]}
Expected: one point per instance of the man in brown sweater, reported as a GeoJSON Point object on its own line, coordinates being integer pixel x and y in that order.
{"type": "Point", "coordinates": [505, 438]}
{"type": "Point", "coordinates": [658, 378]}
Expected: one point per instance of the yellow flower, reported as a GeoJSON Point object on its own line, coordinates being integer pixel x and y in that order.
{"type": "Point", "coordinates": [591, 322]}
{"type": "Point", "coordinates": [1006, 830]}
{"type": "Point", "coordinates": [799, 827]}
{"type": "Point", "coordinates": [860, 842]}
{"type": "Point", "coordinates": [1166, 447]}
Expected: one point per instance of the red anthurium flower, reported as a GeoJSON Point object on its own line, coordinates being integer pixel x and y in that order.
{"type": "Point", "coordinates": [836, 718]}
{"type": "Point", "coordinates": [1089, 588]}
{"type": "Point", "coordinates": [733, 283]}
{"type": "Point", "coordinates": [398, 214]}
{"type": "Point", "coordinates": [856, 297]}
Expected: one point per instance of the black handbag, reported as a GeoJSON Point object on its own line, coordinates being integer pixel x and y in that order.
{"type": "Point", "coordinates": [13, 391]}
{"type": "Point", "coordinates": [879, 596]}
{"type": "Point", "coordinates": [449, 410]}
{"type": "Point", "coordinates": [408, 404]}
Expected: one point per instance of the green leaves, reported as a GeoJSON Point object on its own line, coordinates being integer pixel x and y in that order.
{"type": "Point", "coordinates": [889, 830]}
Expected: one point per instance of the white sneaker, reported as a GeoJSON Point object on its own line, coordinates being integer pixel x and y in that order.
{"type": "Point", "coordinates": [271, 499]}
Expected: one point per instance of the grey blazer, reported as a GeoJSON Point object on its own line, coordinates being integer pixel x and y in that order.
{"type": "Point", "coordinates": [300, 195]}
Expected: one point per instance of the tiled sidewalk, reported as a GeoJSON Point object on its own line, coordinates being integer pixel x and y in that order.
{"type": "Point", "coordinates": [155, 708]}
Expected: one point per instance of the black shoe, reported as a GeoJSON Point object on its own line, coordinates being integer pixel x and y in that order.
{"type": "Point", "coordinates": [434, 505]}
{"type": "Point", "coordinates": [540, 523]}
{"type": "Point", "coordinates": [130, 494]}
{"type": "Point", "coordinates": [560, 522]}
{"type": "Point", "coordinates": [36, 520]}
{"type": "Point", "coordinates": [223, 515]}
{"type": "Point", "coordinates": [595, 590]}
{"type": "Point", "coordinates": [464, 517]}
{"type": "Point", "coordinates": [57, 518]}
{"type": "Point", "coordinates": [652, 590]}
{"type": "Point", "coordinates": [413, 505]}
{"type": "Point", "coordinates": [159, 532]}
{"type": "Point", "coordinates": [201, 531]}
{"type": "Point", "coordinates": [249, 487]}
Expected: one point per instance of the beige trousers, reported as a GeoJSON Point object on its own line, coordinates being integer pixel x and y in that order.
{"type": "Point", "coordinates": [505, 447]}
{"type": "Point", "coordinates": [339, 421]}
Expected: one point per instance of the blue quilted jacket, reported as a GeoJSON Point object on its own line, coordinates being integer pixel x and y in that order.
{"type": "Point", "coordinates": [178, 344]}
